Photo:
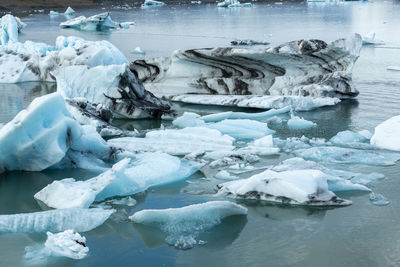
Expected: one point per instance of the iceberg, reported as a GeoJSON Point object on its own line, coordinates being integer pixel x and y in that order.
{"type": "Point", "coordinates": [352, 139]}
{"type": "Point", "coordinates": [298, 187]}
{"type": "Point", "coordinates": [233, 3]}
{"type": "Point", "coordinates": [263, 146]}
{"type": "Point", "coordinates": [244, 115]}
{"type": "Point", "coordinates": [79, 220]}
{"type": "Point", "coordinates": [114, 87]}
{"type": "Point", "coordinates": [395, 68]}
{"type": "Point", "coordinates": [237, 128]}
{"type": "Point", "coordinates": [177, 142]}
{"type": "Point", "coordinates": [370, 39]}
{"type": "Point", "coordinates": [68, 193]}
{"type": "Point", "coordinates": [67, 244]}
{"type": "Point", "coordinates": [387, 134]}
{"type": "Point", "coordinates": [140, 174]}
{"type": "Point", "coordinates": [10, 28]}
{"type": "Point", "coordinates": [378, 199]}
{"type": "Point", "coordinates": [297, 123]}
{"type": "Point", "coordinates": [183, 225]}
{"type": "Point", "coordinates": [99, 22]}
{"type": "Point", "coordinates": [68, 12]}
{"type": "Point", "coordinates": [331, 154]}
{"type": "Point", "coordinates": [248, 43]}
{"type": "Point", "coordinates": [152, 3]}
{"type": "Point", "coordinates": [303, 68]}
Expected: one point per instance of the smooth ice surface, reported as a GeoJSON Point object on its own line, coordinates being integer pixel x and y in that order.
{"type": "Point", "coordinates": [80, 220]}
{"type": "Point", "coordinates": [297, 123]}
{"type": "Point", "coordinates": [39, 136]}
{"type": "Point", "coordinates": [145, 171]}
{"type": "Point", "coordinates": [67, 244]}
{"type": "Point", "coordinates": [331, 154]}
{"type": "Point", "coordinates": [237, 128]}
{"type": "Point", "coordinates": [177, 142]}
{"type": "Point", "coordinates": [183, 225]}
{"type": "Point", "coordinates": [68, 193]}
{"type": "Point", "coordinates": [244, 115]}
{"type": "Point", "coordinates": [387, 134]}
{"type": "Point", "coordinates": [298, 187]}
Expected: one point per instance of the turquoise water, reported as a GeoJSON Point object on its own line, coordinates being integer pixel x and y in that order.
{"type": "Point", "coordinates": [271, 235]}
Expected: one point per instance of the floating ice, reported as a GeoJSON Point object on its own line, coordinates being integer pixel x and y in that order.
{"type": "Point", "coordinates": [68, 12]}
{"type": "Point", "coordinates": [10, 28]}
{"type": "Point", "coordinates": [141, 174]}
{"type": "Point", "coordinates": [138, 51]}
{"type": "Point", "coordinates": [248, 43]}
{"type": "Point", "coordinates": [68, 193]}
{"type": "Point", "coordinates": [297, 123]}
{"type": "Point", "coordinates": [263, 146]}
{"type": "Point", "coordinates": [177, 142]}
{"type": "Point", "coordinates": [233, 3]}
{"type": "Point", "coordinates": [299, 187]}
{"type": "Point", "coordinates": [225, 175]}
{"type": "Point", "coordinates": [348, 155]}
{"type": "Point", "coordinates": [265, 78]}
{"type": "Point", "coordinates": [396, 68]}
{"type": "Point", "coordinates": [387, 134]}
{"type": "Point", "coordinates": [79, 220]}
{"type": "Point", "coordinates": [151, 3]}
{"type": "Point", "coordinates": [352, 139]}
{"type": "Point", "coordinates": [99, 22]}
{"type": "Point", "coordinates": [125, 201]}
{"type": "Point", "coordinates": [378, 199]}
{"type": "Point", "coordinates": [244, 115]}
{"type": "Point", "coordinates": [369, 39]}
{"type": "Point", "coordinates": [67, 244]}
{"type": "Point", "coordinates": [115, 87]}
{"type": "Point", "coordinates": [238, 128]}
{"type": "Point", "coordinates": [183, 225]}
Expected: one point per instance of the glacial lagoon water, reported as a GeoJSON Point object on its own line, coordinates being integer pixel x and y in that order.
{"type": "Point", "coordinates": [271, 235]}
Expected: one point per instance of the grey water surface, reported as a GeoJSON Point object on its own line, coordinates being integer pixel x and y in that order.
{"type": "Point", "coordinates": [272, 235]}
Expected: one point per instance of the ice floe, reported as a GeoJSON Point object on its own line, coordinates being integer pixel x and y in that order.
{"type": "Point", "coordinates": [387, 134]}
{"type": "Point", "coordinates": [67, 244]}
{"type": "Point", "coordinates": [68, 12]}
{"type": "Point", "coordinates": [177, 142]}
{"type": "Point", "coordinates": [99, 22]}
{"type": "Point", "coordinates": [303, 68]}
{"type": "Point", "coordinates": [79, 220]}
{"type": "Point", "coordinates": [370, 39]}
{"type": "Point", "coordinates": [395, 68]}
{"type": "Point", "coordinates": [216, 117]}
{"type": "Point", "coordinates": [378, 199]}
{"type": "Point", "coordinates": [152, 3]}
{"type": "Point", "coordinates": [331, 154]}
{"type": "Point", "coordinates": [183, 225]}
{"type": "Point", "coordinates": [233, 3]}
{"type": "Point", "coordinates": [298, 187]}
{"type": "Point", "coordinates": [297, 123]}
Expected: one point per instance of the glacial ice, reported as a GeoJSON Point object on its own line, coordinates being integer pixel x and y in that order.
{"type": "Point", "coordinates": [297, 123]}
{"type": "Point", "coordinates": [68, 12]}
{"type": "Point", "coordinates": [370, 39]}
{"type": "Point", "coordinates": [263, 146]}
{"type": "Point", "coordinates": [225, 175]}
{"type": "Point", "coordinates": [67, 244]}
{"type": "Point", "coordinates": [387, 134]}
{"type": "Point", "coordinates": [331, 154]}
{"type": "Point", "coordinates": [378, 199]}
{"type": "Point", "coordinates": [68, 193]}
{"type": "Point", "coordinates": [237, 128]}
{"type": "Point", "coordinates": [183, 225]}
{"type": "Point", "coordinates": [10, 28]}
{"type": "Point", "coordinates": [141, 174]}
{"type": "Point", "coordinates": [233, 3]}
{"type": "Point", "coordinates": [79, 220]}
{"type": "Point", "coordinates": [352, 139]}
{"type": "Point", "coordinates": [248, 43]}
{"type": "Point", "coordinates": [297, 187]}
{"type": "Point", "coordinates": [99, 22]}
{"type": "Point", "coordinates": [114, 87]}
{"type": "Point", "coordinates": [177, 142]}
{"type": "Point", "coordinates": [152, 3]}
{"type": "Point", "coordinates": [395, 68]}
{"type": "Point", "coordinates": [216, 117]}
{"type": "Point", "coordinates": [304, 68]}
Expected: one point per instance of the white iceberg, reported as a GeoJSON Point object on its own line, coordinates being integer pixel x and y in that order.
{"type": "Point", "coordinates": [68, 193]}
{"type": "Point", "coordinates": [152, 3]}
{"type": "Point", "coordinates": [233, 3]}
{"type": "Point", "coordinates": [138, 51]}
{"type": "Point", "coordinates": [68, 12]}
{"type": "Point", "coordinates": [387, 134]}
{"type": "Point", "coordinates": [183, 225]}
{"type": "Point", "coordinates": [263, 146]}
{"type": "Point", "coordinates": [297, 123]}
{"type": "Point", "coordinates": [370, 39]}
{"type": "Point", "coordinates": [177, 142]}
{"type": "Point", "coordinates": [244, 115]}
{"type": "Point", "coordinates": [141, 174]}
{"type": "Point", "coordinates": [99, 22]}
{"type": "Point", "coordinates": [67, 244]}
{"type": "Point", "coordinates": [395, 68]}
{"type": "Point", "coordinates": [79, 220]}
{"type": "Point", "coordinates": [331, 154]}
{"type": "Point", "coordinates": [237, 128]}
{"type": "Point", "coordinates": [10, 28]}
{"type": "Point", "coordinates": [299, 187]}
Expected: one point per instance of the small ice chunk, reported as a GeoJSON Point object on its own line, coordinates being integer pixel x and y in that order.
{"type": "Point", "coordinates": [152, 3]}
{"type": "Point", "coordinates": [263, 146]}
{"type": "Point", "coordinates": [244, 115]}
{"type": "Point", "coordinates": [183, 225]}
{"type": "Point", "coordinates": [298, 187]}
{"type": "Point", "coordinates": [331, 154]}
{"type": "Point", "coordinates": [138, 51]}
{"type": "Point", "coordinates": [68, 193]}
{"type": "Point", "coordinates": [67, 244]}
{"type": "Point", "coordinates": [352, 139]}
{"type": "Point", "coordinates": [99, 22]}
{"type": "Point", "coordinates": [225, 175]}
{"type": "Point", "coordinates": [125, 201]}
{"type": "Point", "coordinates": [378, 199]}
{"type": "Point", "coordinates": [370, 39]}
{"type": "Point", "coordinates": [69, 11]}
{"type": "Point", "coordinates": [387, 134]}
{"type": "Point", "coordinates": [80, 220]}
{"type": "Point", "coordinates": [297, 123]}
{"type": "Point", "coordinates": [395, 68]}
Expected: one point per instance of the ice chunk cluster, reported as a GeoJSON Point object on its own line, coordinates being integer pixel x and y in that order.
{"type": "Point", "coordinates": [183, 225]}
{"type": "Point", "coordinates": [67, 244]}
{"type": "Point", "coordinates": [298, 187]}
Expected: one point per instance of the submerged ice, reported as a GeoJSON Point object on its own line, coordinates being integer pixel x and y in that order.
{"type": "Point", "coordinates": [182, 226]}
